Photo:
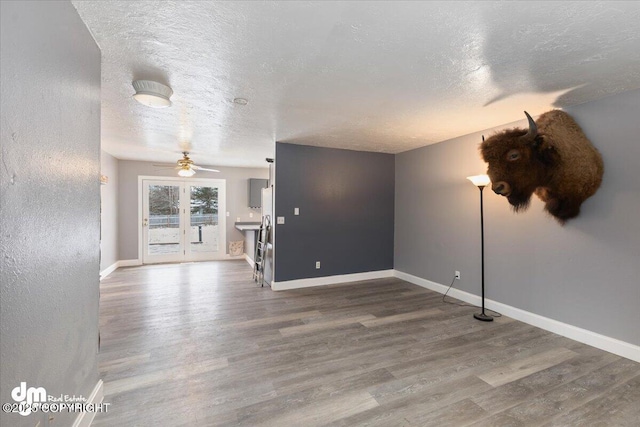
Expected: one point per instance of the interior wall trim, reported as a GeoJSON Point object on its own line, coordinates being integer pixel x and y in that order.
{"type": "Point", "coordinates": [107, 271]}
{"type": "Point", "coordinates": [330, 280]}
{"type": "Point", "coordinates": [116, 265]}
{"type": "Point", "coordinates": [84, 419]}
{"type": "Point", "coordinates": [136, 262]}
{"type": "Point", "coordinates": [603, 342]}
{"type": "Point", "coordinates": [129, 262]}
{"type": "Point", "coordinates": [249, 260]}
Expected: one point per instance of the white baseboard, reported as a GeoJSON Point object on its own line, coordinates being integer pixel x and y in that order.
{"type": "Point", "coordinates": [129, 262]}
{"type": "Point", "coordinates": [249, 260]}
{"type": "Point", "coordinates": [330, 280]}
{"type": "Point", "coordinates": [137, 262]}
{"type": "Point", "coordinates": [84, 419]}
{"type": "Point", "coordinates": [116, 265]}
{"type": "Point", "coordinates": [603, 342]}
{"type": "Point", "coordinates": [107, 271]}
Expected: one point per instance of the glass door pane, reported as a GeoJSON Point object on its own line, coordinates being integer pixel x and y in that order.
{"type": "Point", "coordinates": [163, 237]}
{"type": "Point", "coordinates": [204, 230]}
{"type": "Point", "coordinates": [180, 220]}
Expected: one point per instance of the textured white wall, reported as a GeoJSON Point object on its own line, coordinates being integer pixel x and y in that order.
{"type": "Point", "coordinates": [50, 213]}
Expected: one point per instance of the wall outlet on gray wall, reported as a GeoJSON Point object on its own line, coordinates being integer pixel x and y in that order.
{"type": "Point", "coordinates": [457, 275]}
{"type": "Point", "coordinates": [317, 265]}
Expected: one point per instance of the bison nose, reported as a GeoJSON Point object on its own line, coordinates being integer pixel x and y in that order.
{"type": "Point", "coordinates": [500, 187]}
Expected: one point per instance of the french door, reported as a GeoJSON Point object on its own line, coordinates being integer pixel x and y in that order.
{"type": "Point", "coordinates": [183, 220]}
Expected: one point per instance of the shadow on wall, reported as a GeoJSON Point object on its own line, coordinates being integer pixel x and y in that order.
{"type": "Point", "coordinates": [619, 194]}
{"type": "Point", "coordinates": [568, 62]}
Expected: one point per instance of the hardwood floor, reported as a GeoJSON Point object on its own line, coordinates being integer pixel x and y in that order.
{"type": "Point", "coordinates": [201, 345]}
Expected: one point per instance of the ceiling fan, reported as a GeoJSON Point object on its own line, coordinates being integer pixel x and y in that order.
{"type": "Point", "coordinates": [187, 168]}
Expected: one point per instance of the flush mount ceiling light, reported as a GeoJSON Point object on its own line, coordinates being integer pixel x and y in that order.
{"type": "Point", "coordinates": [152, 94]}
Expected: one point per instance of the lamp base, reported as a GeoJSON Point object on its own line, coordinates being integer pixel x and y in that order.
{"type": "Point", "coordinates": [483, 317]}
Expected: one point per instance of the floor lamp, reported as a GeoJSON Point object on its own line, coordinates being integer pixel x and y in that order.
{"type": "Point", "coordinates": [481, 181]}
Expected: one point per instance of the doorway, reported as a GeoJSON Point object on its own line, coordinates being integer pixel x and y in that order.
{"type": "Point", "coordinates": [183, 220]}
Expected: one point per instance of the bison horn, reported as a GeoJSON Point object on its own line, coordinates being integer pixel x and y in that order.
{"type": "Point", "coordinates": [533, 129]}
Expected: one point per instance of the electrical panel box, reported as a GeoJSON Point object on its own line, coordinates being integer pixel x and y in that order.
{"type": "Point", "coordinates": [255, 191]}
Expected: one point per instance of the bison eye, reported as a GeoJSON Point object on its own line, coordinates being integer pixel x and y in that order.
{"type": "Point", "coordinates": [513, 155]}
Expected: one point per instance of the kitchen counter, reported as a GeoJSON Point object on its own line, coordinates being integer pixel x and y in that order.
{"type": "Point", "coordinates": [247, 226]}
{"type": "Point", "coordinates": [250, 231]}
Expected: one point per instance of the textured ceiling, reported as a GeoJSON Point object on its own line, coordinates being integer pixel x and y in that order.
{"type": "Point", "coordinates": [374, 76]}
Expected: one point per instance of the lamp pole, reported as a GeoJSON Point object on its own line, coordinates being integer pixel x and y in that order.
{"type": "Point", "coordinates": [481, 181]}
{"type": "Point", "coordinates": [482, 316]}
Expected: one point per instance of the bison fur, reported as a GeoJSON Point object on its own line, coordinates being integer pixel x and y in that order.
{"type": "Point", "coordinates": [553, 159]}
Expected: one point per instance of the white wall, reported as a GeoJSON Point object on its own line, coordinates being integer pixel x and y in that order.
{"type": "Point", "coordinates": [237, 200]}
{"type": "Point", "coordinates": [50, 210]}
{"type": "Point", "coordinates": [108, 211]}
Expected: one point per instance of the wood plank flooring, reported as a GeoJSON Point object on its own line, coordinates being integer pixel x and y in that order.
{"type": "Point", "coordinates": [201, 345]}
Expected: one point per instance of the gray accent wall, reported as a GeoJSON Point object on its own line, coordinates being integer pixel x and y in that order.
{"type": "Point", "coordinates": [237, 182]}
{"type": "Point", "coordinates": [586, 273]}
{"type": "Point", "coordinates": [346, 211]}
{"type": "Point", "coordinates": [50, 209]}
{"type": "Point", "coordinates": [108, 211]}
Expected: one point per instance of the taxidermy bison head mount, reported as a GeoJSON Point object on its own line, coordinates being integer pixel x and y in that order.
{"type": "Point", "coordinates": [553, 159]}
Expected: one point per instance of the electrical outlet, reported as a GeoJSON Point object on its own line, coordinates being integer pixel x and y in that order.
{"type": "Point", "coordinates": [227, 213]}
{"type": "Point", "coordinates": [457, 275]}
{"type": "Point", "coordinates": [296, 211]}
{"type": "Point", "coordinates": [317, 265]}
{"type": "Point", "coordinates": [250, 214]}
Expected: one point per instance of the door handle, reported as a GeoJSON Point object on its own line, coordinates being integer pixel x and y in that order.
{"type": "Point", "coordinates": [145, 222]}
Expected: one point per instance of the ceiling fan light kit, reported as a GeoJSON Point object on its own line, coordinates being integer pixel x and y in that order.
{"type": "Point", "coordinates": [186, 172]}
{"type": "Point", "coordinates": [152, 94]}
{"type": "Point", "coordinates": [186, 168]}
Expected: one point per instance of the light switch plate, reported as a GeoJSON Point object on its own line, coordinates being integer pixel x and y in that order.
{"type": "Point", "coordinates": [296, 211]}
{"type": "Point", "coordinates": [280, 220]}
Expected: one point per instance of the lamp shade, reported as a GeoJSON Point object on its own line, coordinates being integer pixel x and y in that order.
{"type": "Point", "coordinates": [479, 180]}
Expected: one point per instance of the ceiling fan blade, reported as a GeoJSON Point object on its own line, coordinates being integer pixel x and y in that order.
{"type": "Point", "coordinates": [198, 168]}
